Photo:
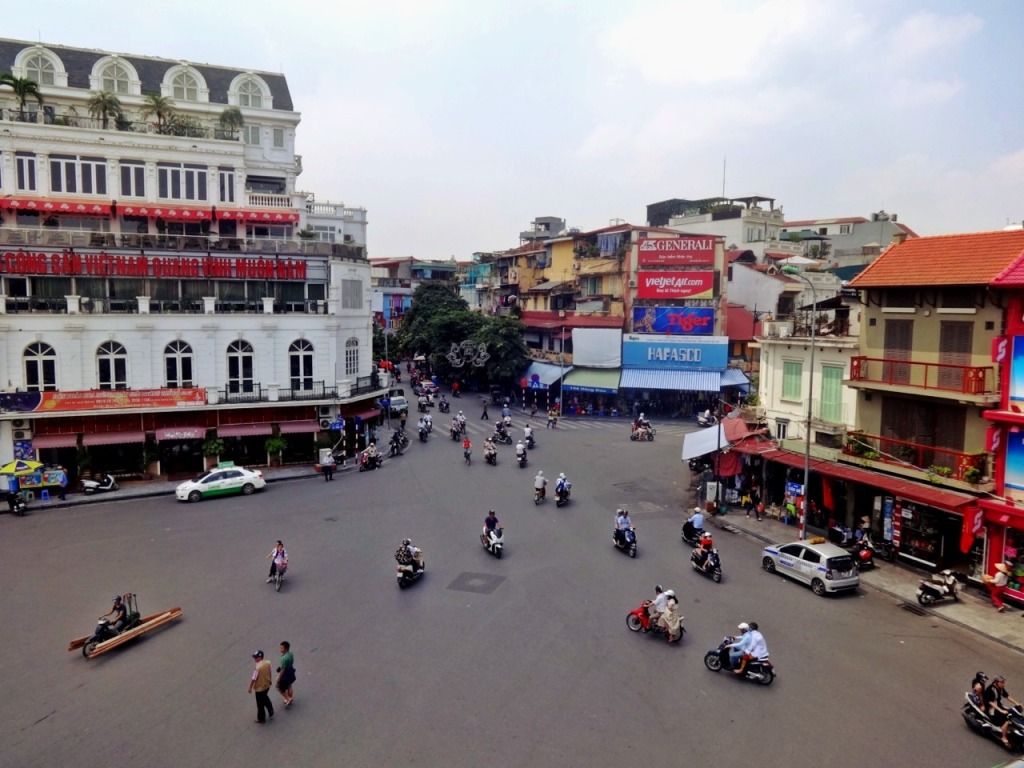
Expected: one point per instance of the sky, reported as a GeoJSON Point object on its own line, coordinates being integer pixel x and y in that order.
{"type": "Point", "coordinates": [455, 123]}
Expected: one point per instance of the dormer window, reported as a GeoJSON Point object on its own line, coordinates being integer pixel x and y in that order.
{"type": "Point", "coordinates": [250, 94]}
{"type": "Point", "coordinates": [116, 78]}
{"type": "Point", "coordinates": [39, 68]}
{"type": "Point", "coordinates": [184, 87]}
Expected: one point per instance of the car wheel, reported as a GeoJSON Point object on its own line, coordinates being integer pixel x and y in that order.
{"type": "Point", "coordinates": [713, 661]}
{"type": "Point", "coordinates": [818, 586]}
{"type": "Point", "coordinates": [195, 496]}
{"type": "Point", "coordinates": [247, 489]}
{"type": "Point", "coordinates": [768, 564]}
{"type": "Point", "coordinates": [634, 623]}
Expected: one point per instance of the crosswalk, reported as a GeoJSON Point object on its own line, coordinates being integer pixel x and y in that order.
{"type": "Point", "coordinates": [478, 429]}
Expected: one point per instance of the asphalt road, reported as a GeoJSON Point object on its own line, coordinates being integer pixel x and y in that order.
{"type": "Point", "coordinates": [523, 661]}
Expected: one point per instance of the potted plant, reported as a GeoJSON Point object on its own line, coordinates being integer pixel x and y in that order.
{"type": "Point", "coordinates": [972, 475]}
{"type": "Point", "coordinates": [213, 447]}
{"type": "Point", "coordinates": [274, 445]}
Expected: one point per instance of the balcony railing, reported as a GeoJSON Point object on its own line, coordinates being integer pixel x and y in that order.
{"type": "Point", "coordinates": [255, 392]}
{"type": "Point", "coordinates": [317, 390]}
{"type": "Point", "coordinates": [13, 305]}
{"type": "Point", "coordinates": [964, 379]}
{"type": "Point", "coordinates": [943, 462]}
{"type": "Point", "coordinates": [179, 125]}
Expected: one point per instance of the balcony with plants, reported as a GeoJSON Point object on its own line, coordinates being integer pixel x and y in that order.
{"type": "Point", "coordinates": [918, 461]}
{"type": "Point", "coordinates": [964, 383]}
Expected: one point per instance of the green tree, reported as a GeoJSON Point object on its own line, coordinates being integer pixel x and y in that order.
{"type": "Point", "coordinates": [429, 302]}
{"type": "Point", "coordinates": [379, 344]}
{"type": "Point", "coordinates": [104, 105]}
{"type": "Point", "coordinates": [509, 355]}
{"type": "Point", "coordinates": [24, 89]}
{"type": "Point", "coordinates": [160, 107]}
{"type": "Point", "coordinates": [231, 120]}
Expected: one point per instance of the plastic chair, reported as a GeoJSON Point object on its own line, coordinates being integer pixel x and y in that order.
{"type": "Point", "coordinates": [44, 495]}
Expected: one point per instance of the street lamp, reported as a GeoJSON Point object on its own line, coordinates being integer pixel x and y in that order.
{"type": "Point", "coordinates": [794, 272]}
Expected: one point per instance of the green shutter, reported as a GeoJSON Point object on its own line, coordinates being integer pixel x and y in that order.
{"type": "Point", "coordinates": [792, 380]}
{"type": "Point", "coordinates": [832, 393]}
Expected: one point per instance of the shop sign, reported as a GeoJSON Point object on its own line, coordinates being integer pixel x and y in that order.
{"type": "Point", "coordinates": [681, 321]}
{"type": "Point", "coordinates": [102, 399]}
{"type": "Point", "coordinates": [1000, 349]}
{"type": "Point", "coordinates": [103, 264]}
{"type": "Point", "coordinates": [674, 352]}
{"type": "Point", "coordinates": [676, 251]}
{"type": "Point", "coordinates": [675, 285]}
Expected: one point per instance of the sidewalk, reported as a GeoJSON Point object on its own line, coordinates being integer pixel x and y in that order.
{"type": "Point", "coordinates": [973, 612]}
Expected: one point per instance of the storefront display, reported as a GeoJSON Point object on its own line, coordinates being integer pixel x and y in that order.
{"type": "Point", "coordinates": [920, 534]}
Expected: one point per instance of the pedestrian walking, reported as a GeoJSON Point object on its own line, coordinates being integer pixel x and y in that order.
{"type": "Point", "coordinates": [997, 585]}
{"type": "Point", "coordinates": [484, 415]}
{"type": "Point", "coordinates": [259, 684]}
{"type": "Point", "coordinates": [286, 673]}
{"type": "Point", "coordinates": [328, 467]}
{"type": "Point", "coordinates": [63, 485]}
{"type": "Point", "coordinates": [402, 419]}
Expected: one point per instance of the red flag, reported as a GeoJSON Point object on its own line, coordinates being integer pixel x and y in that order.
{"type": "Point", "coordinates": [974, 519]}
{"type": "Point", "coordinates": [827, 500]}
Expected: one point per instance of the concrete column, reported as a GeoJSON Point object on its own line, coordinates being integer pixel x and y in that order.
{"type": "Point", "coordinates": [273, 391]}
{"type": "Point", "coordinates": [268, 305]}
{"type": "Point", "coordinates": [209, 305]}
{"type": "Point", "coordinates": [74, 304]}
{"type": "Point", "coordinates": [143, 304]}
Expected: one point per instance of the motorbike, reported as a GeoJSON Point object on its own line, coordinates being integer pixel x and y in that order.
{"type": "Point", "coordinates": [627, 542]}
{"type": "Point", "coordinates": [455, 432]}
{"type": "Point", "coordinates": [424, 432]}
{"type": "Point", "coordinates": [941, 586]}
{"type": "Point", "coordinates": [706, 419]}
{"type": "Point", "coordinates": [16, 503]}
{"type": "Point", "coordinates": [105, 630]}
{"type": "Point", "coordinates": [401, 438]}
{"type": "Point", "coordinates": [700, 463]}
{"type": "Point", "coordinates": [638, 620]}
{"type": "Point", "coordinates": [395, 448]}
{"type": "Point", "coordinates": [493, 541]}
{"type": "Point", "coordinates": [522, 459]}
{"type": "Point", "coordinates": [979, 722]}
{"type": "Point", "coordinates": [408, 571]}
{"type": "Point", "coordinates": [503, 437]}
{"type": "Point", "coordinates": [694, 536]}
{"type": "Point", "coordinates": [642, 433]}
{"type": "Point", "coordinates": [714, 569]}
{"type": "Point", "coordinates": [443, 406]}
{"type": "Point", "coordinates": [366, 463]}
{"type": "Point", "coordinates": [863, 553]}
{"type": "Point", "coordinates": [104, 483]}
{"type": "Point", "coordinates": [491, 457]}
{"type": "Point", "coordinates": [538, 495]}
{"type": "Point", "coordinates": [507, 421]}
{"type": "Point", "coordinates": [531, 442]}
{"type": "Point", "coordinates": [759, 670]}
{"type": "Point", "coordinates": [884, 549]}
{"type": "Point", "coordinates": [562, 496]}
{"type": "Point", "coordinates": [467, 454]}
{"type": "Point", "coordinates": [429, 422]}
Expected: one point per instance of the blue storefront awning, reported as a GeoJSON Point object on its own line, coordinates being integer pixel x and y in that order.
{"type": "Point", "coordinates": [546, 374]}
{"type": "Point", "coordinates": [601, 381]}
{"type": "Point", "coordinates": [689, 381]}
{"type": "Point", "coordinates": [734, 377]}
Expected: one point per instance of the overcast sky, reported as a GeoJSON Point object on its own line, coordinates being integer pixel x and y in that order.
{"type": "Point", "coordinates": [457, 122]}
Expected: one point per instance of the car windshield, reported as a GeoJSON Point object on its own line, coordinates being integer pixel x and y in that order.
{"type": "Point", "coordinates": [200, 478]}
{"type": "Point", "coordinates": [844, 563]}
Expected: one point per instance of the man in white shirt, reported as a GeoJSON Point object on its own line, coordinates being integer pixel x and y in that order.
{"type": "Point", "coordinates": [756, 648]}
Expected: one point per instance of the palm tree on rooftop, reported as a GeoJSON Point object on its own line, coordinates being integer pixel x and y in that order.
{"type": "Point", "coordinates": [104, 105]}
{"type": "Point", "coordinates": [160, 107]}
{"type": "Point", "coordinates": [23, 88]}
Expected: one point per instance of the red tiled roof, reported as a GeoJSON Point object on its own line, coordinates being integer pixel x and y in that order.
{"type": "Point", "coordinates": [740, 324]}
{"type": "Point", "coordinates": [549, 319]}
{"type": "Point", "coordinates": [970, 259]}
{"type": "Point", "coordinates": [1012, 276]}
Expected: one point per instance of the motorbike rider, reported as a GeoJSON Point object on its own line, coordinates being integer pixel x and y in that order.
{"type": "Point", "coordinates": [704, 552]}
{"type": "Point", "coordinates": [657, 606]}
{"type": "Point", "coordinates": [467, 448]}
{"type": "Point", "coordinates": [540, 483]}
{"type": "Point", "coordinates": [756, 648]}
{"type": "Point", "coordinates": [697, 521]}
{"type": "Point", "coordinates": [561, 485]}
{"type": "Point", "coordinates": [527, 434]}
{"type": "Point", "coordinates": [739, 645]}
{"type": "Point", "coordinates": [491, 524]}
{"type": "Point", "coordinates": [996, 698]}
{"type": "Point", "coordinates": [506, 412]}
{"type": "Point", "coordinates": [500, 430]}
{"type": "Point", "coordinates": [428, 422]}
{"type": "Point", "coordinates": [489, 450]}
{"type": "Point", "coordinates": [120, 614]}
{"type": "Point", "coordinates": [415, 554]}
{"type": "Point", "coordinates": [278, 558]}
{"type": "Point", "coordinates": [670, 619]}
{"type": "Point", "coordinates": [622, 524]}
{"type": "Point", "coordinates": [443, 405]}
{"type": "Point", "coordinates": [461, 418]}
{"type": "Point", "coordinates": [520, 450]}
{"type": "Point", "coordinates": [978, 690]}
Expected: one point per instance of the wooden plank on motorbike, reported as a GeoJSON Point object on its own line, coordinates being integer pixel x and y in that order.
{"type": "Point", "coordinates": [146, 623]}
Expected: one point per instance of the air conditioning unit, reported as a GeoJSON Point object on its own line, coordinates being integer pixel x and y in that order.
{"type": "Point", "coordinates": [326, 411]}
{"type": "Point", "coordinates": [22, 434]}
{"type": "Point", "coordinates": [326, 423]}
{"type": "Point", "coordinates": [19, 423]}
{"type": "Point", "coordinates": [632, 283]}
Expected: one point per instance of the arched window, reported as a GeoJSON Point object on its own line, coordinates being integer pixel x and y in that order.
{"type": "Point", "coordinates": [352, 357]}
{"type": "Point", "coordinates": [116, 78]}
{"type": "Point", "coordinates": [178, 365]}
{"type": "Point", "coordinates": [40, 368]}
{"type": "Point", "coordinates": [184, 87]}
{"type": "Point", "coordinates": [300, 361]}
{"type": "Point", "coordinates": [112, 366]}
{"type": "Point", "coordinates": [250, 94]}
{"type": "Point", "coordinates": [240, 360]}
{"type": "Point", "coordinates": [38, 67]}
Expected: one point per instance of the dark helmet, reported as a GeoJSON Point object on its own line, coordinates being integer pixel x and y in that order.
{"type": "Point", "coordinates": [117, 598]}
{"type": "Point", "coordinates": [657, 589]}
{"type": "Point", "coordinates": [753, 625]}
{"type": "Point", "coordinates": [406, 542]}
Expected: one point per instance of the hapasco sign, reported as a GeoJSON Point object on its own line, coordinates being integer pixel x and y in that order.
{"type": "Point", "coordinates": [676, 251]}
{"type": "Point", "coordinates": [675, 285]}
{"type": "Point", "coordinates": [102, 264]}
{"type": "Point", "coordinates": [652, 351]}
{"type": "Point", "coordinates": [681, 321]}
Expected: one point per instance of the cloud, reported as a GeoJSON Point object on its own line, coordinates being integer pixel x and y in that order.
{"type": "Point", "coordinates": [908, 92]}
{"type": "Point", "coordinates": [923, 35]}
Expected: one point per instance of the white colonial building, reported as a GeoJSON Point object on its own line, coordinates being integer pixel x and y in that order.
{"type": "Point", "coordinates": [155, 292]}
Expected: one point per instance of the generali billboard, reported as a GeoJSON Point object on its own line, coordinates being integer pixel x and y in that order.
{"type": "Point", "coordinates": [675, 285]}
{"type": "Point", "coordinates": [683, 251]}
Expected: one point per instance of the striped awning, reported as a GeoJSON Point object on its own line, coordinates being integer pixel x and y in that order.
{"type": "Point", "coordinates": [734, 377]}
{"type": "Point", "coordinates": [687, 381]}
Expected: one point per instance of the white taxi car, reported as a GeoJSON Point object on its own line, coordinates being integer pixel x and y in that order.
{"type": "Point", "coordinates": [822, 565]}
{"type": "Point", "coordinates": [225, 479]}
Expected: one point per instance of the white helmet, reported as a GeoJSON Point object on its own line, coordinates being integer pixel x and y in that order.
{"type": "Point", "coordinates": [743, 626]}
{"type": "Point", "coordinates": [561, 475]}
{"type": "Point", "coordinates": [696, 510]}
{"type": "Point", "coordinates": [540, 472]}
{"type": "Point", "coordinates": [460, 413]}
{"type": "Point", "coordinates": [641, 415]}
{"type": "Point", "coordinates": [670, 592]}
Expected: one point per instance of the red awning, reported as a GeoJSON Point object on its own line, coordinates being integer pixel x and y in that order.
{"type": "Point", "coordinates": [244, 430]}
{"type": "Point", "coordinates": [49, 205]}
{"type": "Point", "coordinates": [298, 427]}
{"type": "Point", "coordinates": [54, 441]}
{"type": "Point", "coordinates": [180, 433]}
{"type": "Point", "coordinates": [167, 212]}
{"type": "Point", "coordinates": [264, 216]}
{"type": "Point", "coordinates": [113, 438]}
{"type": "Point", "coordinates": [364, 415]}
{"type": "Point", "coordinates": [897, 486]}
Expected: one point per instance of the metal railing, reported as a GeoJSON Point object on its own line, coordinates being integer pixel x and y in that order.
{"type": "Point", "coordinates": [317, 390]}
{"type": "Point", "coordinates": [964, 379]}
{"type": "Point", "coordinates": [944, 462]}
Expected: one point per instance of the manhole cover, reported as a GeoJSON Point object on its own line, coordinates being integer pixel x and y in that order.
{"type": "Point", "coordinates": [480, 583]}
{"type": "Point", "coordinates": [627, 487]}
{"type": "Point", "coordinates": [911, 608]}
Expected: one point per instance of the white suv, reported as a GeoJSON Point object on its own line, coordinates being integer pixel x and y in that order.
{"type": "Point", "coordinates": [824, 566]}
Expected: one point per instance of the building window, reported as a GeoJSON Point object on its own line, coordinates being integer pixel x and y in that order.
{"type": "Point", "coordinates": [845, 229]}
{"type": "Point", "coordinates": [300, 360]}
{"type": "Point", "coordinates": [85, 175]}
{"type": "Point", "coordinates": [352, 357]}
{"type": "Point", "coordinates": [226, 177]}
{"type": "Point", "coordinates": [112, 366]}
{"type": "Point", "coordinates": [781, 429]}
{"type": "Point", "coordinates": [178, 365]}
{"type": "Point", "coordinates": [40, 368]}
{"type": "Point", "coordinates": [251, 134]}
{"type": "Point", "coordinates": [184, 87]}
{"type": "Point", "coordinates": [831, 409]}
{"type": "Point", "coordinates": [181, 182]}
{"type": "Point", "coordinates": [133, 179]}
{"type": "Point", "coordinates": [792, 380]}
{"type": "Point", "coordinates": [279, 138]}
{"type": "Point", "coordinates": [240, 366]}
{"type": "Point", "coordinates": [40, 69]}
{"type": "Point", "coordinates": [351, 294]}
{"type": "Point", "coordinates": [250, 94]}
{"type": "Point", "coordinates": [116, 78]}
{"type": "Point", "coordinates": [26, 166]}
